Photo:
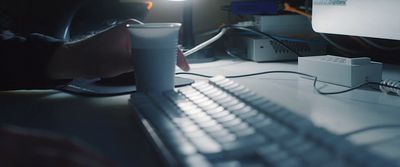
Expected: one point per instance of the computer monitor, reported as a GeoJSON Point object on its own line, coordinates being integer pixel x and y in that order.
{"type": "Point", "coordinates": [366, 18]}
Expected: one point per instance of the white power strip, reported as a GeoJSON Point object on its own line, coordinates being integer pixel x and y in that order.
{"type": "Point", "coordinates": [343, 71]}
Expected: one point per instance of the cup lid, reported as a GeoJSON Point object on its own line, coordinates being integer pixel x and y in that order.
{"type": "Point", "coordinates": [154, 25]}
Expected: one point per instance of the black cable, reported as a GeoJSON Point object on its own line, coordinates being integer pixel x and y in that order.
{"type": "Point", "coordinates": [338, 46]}
{"type": "Point", "coordinates": [194, 74]}
{"type": "Point", "coordinates": [379, 46]}
{"type": "Point", "coordinates": [337, 92]}
{"type": "Point", "coordinates": [265, 35]}
{"type": "Point", "coordinates": [246, 75]}
{"type": "Point", "coordinates": [271, 72]}
{"type": "Point", "coordinates": [229, 53]}
{"type": "Point", "coordinates": [348, 134]}
{"type": "Point", "coordinates": [315, 80]}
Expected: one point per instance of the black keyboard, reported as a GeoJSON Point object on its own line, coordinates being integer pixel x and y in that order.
{"type": "Point", "coordinates": [224, 124]}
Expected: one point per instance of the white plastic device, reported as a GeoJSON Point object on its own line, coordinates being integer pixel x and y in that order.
{"type": "Point", "coordinates": [343, 71]}
{"type": "Point", "coordinates": [283, 25]}
{"type": "Point", "coordinates": [260, 49]}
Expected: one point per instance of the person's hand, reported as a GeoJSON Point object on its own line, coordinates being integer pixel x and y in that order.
{"type": "Point", "coordinates": [27, 147]}
{"type": "Point", "coordinates": [106, 54]}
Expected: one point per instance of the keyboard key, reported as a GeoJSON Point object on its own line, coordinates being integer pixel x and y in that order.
{"type": "Point", "coordinates": [242, 110]}
{"type": "Point", "coordinates": [170, 109]}
{"type": "Point", "coordinates": [229, 102]}
{"type": "Point", "coordinates": [206, 145]}
{"type": "Point", "coordinates": [302, 149]}
{"type": "Point", "coordinates": [189, 92]}
{"type": "Point", "coordinates": [232, 86]}
{"type": "Point", "coordinates": [207, 88]}
{"type": "Point", "coordinates": [174, 96]}
{"type": "Point", "coordinates": [248, 114]}
{"type": "Point", "coordinates": [225, 118]}
{"type": "Point", "coordinates": [236, 106]}
{"type": "Point", "coordinates": [217, 79]}
{"type": "Point", "coordinates": [249, 142]}
{"type": "Point", "coordinates": [198, 99]}
{"type": "Point", "coordinates": [218, 133]}
{"type": "Point", "coordinates": [215, 110]}
{"type": "Point", "coordinates": [225, 83]}
{"type": "Point", "coordinates": [256, 118]}
{"type": "Point", "coordinates": [294, 142]}
{"type": "Point", "coordinates": [214, 128]}
{"type": "Point", "coordinates": [227, 99]}
{"type": "Point", "coordinates": [316, 156]}
{"type": "Point", "coordinates": [208, 124]}
{"type": "Point", "coordinates": [200, 84]}
{"type": "Point", "coordinates": [186, 106]}
{"type": "Point", "coordinates": [195, 134]}
{"type": "Point", "coordinates": [272, 109]}
{"type": "Point", "coordinates": [238, 127]}
{"type": "Point", "coordinates": [197, 161]}
{"type": "Point", "coordinates": [231, 163]}
{"type": "Point", "coordinates": [251, 97]}
{"type": "Point", "coordinates": [232, 123]}
{"type": "Point", "coordinates": [278, 157]}
{"type": "Point", "coordinates": [197, 115]}
{"type": "Point", "coordinates": [190, 128]}
{"type": "Point", "coordinates": [207, 104]}
{"type": "Point", "coordinates": [244, 92]}
{"type": "Point", "coordinates": [210, 91]}
{"type": "Point", "coordinates": [186, 148]}
{"type": "Point", "coordinates": [233, 89]}
{"type": "Point", "coordinates": [220, 97]}
{"type": "Point", "coordinates": [262, 124]}
{"type": "Point", "coordinates": [291, 162]}
{"type": "Point", "coordinates": [269, 150]}
{"type": "Point", "coordinates": [221, 114]}
{"type": "Point", "coordinates": [203, 102]}
{"type": "Point", "coordinates": [183, 122]}
{"type": "Point", "coordinates": [215, 93]}
{"type": "Point", "coordinates": [245, 132]}
{"type": "Point", "coordinates": [226, 138]}
{"type": "Point", "coordinates": [276, 131]}
{"type": "Point", "coordinates": [192, 111]}
{"type": "Point", "coordinates": [202, 119]}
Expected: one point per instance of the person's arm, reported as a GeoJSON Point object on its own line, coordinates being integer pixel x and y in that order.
{"type": "Point", "coordinates": [40, 62]}
{"type": "Point", "coordinates": [106, 54]}
{"type": "Point", "coordinates": [24, 61]}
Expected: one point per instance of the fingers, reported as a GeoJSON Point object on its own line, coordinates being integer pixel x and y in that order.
{"type": "Point", "coordinates": [181, 61]}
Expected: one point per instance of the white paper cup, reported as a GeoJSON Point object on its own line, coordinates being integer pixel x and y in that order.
{"type": "Point", "coordinates": [154, 48]}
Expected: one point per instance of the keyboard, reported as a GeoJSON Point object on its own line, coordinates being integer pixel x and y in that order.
{"type": "Point", "coordinates": [221, 123]}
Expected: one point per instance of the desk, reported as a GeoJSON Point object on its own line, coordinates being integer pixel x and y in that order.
{"type": "Point", "coordinates": [106, 125]}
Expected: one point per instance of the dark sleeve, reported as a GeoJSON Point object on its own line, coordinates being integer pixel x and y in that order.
{"type": "Point", "coordinates": [23, 61]}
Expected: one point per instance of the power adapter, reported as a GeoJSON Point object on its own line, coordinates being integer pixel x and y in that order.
{"type": "Point", "coordinates": [349, 72]}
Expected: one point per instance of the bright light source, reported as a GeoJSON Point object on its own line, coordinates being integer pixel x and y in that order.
{"type": "Point", "coordinates": [149, 5]}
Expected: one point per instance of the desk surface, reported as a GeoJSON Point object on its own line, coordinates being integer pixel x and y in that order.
{"type": "Point", "coordinates": [106, 125]}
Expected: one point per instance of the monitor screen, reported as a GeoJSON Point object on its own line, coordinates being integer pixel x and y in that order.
{"type": "Point", "coordinates": [366, 18]}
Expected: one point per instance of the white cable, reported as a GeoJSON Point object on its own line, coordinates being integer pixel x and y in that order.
{"type": "Point", "coordinates": [391, 86]}
{"type": "Point", "coordinates": [206, 43]}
